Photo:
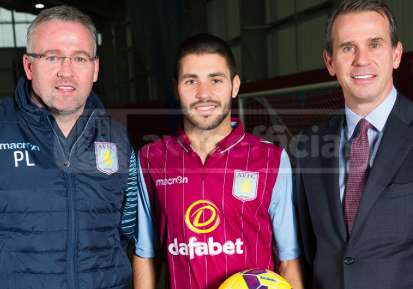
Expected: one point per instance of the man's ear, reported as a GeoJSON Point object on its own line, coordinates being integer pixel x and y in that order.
{"type": "Point", "coordinates": [328, 61]}
{"type": "Point", "coordinates": [397, 55]}
{"type": "Point", "coordinates": [27, 65]}
{"type": "Point", "coordinates": [236, 83]}
{"type": "Point", "coordinates": [96, 69]}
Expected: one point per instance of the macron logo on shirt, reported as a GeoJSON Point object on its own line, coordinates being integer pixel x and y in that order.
{"type": "Point", "coordinates": [171, 181]}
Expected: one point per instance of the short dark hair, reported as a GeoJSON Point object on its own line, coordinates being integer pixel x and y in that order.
{"type": "Point", "coordinates": [62, 13]}
{"type": "Point", "coordinates": [205, 44]}
{"type": "Point", "coordinates": [348, 6]}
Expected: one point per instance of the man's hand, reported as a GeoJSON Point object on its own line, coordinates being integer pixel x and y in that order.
{"type": "Point", "coordinates": [291, 270]}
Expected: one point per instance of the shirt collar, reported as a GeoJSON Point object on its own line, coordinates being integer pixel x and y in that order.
{"type": "Point", "coordinates": [236, 136]}
{"type": "Point", "coordinates": [376, 118]}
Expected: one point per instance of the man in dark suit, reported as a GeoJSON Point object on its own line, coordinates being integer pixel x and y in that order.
{"type": "Point", "coordinates": [354, 173]}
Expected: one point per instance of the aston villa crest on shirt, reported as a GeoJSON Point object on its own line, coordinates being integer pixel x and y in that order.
{"type": "Point", "coordinates": [245, 185]}
{"type": "Point", "coordinates": [106, 157]}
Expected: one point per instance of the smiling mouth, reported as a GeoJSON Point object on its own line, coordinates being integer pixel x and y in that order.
{"type": "Point", "coordinates": [65, 88]}
{"type": "Point", "coordinates": [364, 76]}
{"type": "Point", "coordinates": [205, 108]}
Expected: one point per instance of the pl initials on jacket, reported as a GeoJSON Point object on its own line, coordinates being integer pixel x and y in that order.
{"type": "Point", "coordinates": [63, 218]}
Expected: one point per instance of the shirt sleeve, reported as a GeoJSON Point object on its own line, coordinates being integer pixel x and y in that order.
{"type": "Point", "coordinates": [144, 233]}
{"type": "Point", "coordinates": [282, 212]}
{"type": "Point", "coordinates": [128, 218]}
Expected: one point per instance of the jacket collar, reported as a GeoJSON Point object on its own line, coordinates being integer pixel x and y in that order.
{"type": "Point", "coordinates": [39, 114]}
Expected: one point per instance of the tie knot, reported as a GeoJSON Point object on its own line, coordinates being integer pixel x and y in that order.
{"type": "Point", "coordinates": [363, 125]}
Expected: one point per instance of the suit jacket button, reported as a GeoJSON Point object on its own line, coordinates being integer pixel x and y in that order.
{"type": "Point", "coordinates": [349, 260]}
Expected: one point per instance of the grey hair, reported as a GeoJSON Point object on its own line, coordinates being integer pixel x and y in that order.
{"type": "Point", "coordinates": [349, 6]}
{"type": "Point", "coordinates": [62, 13]}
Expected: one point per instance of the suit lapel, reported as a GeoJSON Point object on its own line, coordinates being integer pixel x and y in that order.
{"type": "Point", "coordinates": [396, 143]}
{"type": "Point", "coordinates": [331, 177]}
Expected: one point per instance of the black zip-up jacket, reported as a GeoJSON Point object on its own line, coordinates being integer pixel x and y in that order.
{"type": "Point", "coordinates": [60, 216]}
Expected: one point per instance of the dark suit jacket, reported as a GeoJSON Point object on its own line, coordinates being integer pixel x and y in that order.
{"type": "Point", "coordinates": [379, 252]}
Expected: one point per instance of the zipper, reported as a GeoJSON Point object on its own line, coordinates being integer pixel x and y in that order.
{"type": "Point", "coordinates": [71, 212]}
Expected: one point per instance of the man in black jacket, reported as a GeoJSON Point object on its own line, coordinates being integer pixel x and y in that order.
{"type": "Point", "coordinates": [68, 173]}
{"type": "Point", "coordinates": [355, 197]}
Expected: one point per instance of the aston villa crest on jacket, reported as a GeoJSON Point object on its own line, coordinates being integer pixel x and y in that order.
{"type": "Point", "coordinates": [106, 157]}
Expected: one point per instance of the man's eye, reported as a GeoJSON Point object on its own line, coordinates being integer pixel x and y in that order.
{"type": "Point", "coordinates": [375, 45]}
{"type": "Point", "coordinates": [189, 81]}
{"type": "Point", "coordinates": [216, 80]}
{"type": "Point", "coordinates": [51, 58]}
{"type": "Point", "coordinates": [347, 48]}
{"type": "Point", "coordinates": [79, 59]}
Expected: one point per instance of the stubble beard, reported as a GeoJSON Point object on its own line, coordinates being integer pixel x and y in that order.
{"type": "Point", "coordinates": [74, 111]}
{"type": "Point", "coordinates": [206, 124]}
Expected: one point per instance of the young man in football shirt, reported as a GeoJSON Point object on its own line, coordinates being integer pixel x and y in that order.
{"type": "Point", "coordinates": [217, 199]}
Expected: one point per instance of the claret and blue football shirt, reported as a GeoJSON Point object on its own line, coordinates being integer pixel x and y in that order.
{"type": "Point", "coordinates": [232, 213]}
